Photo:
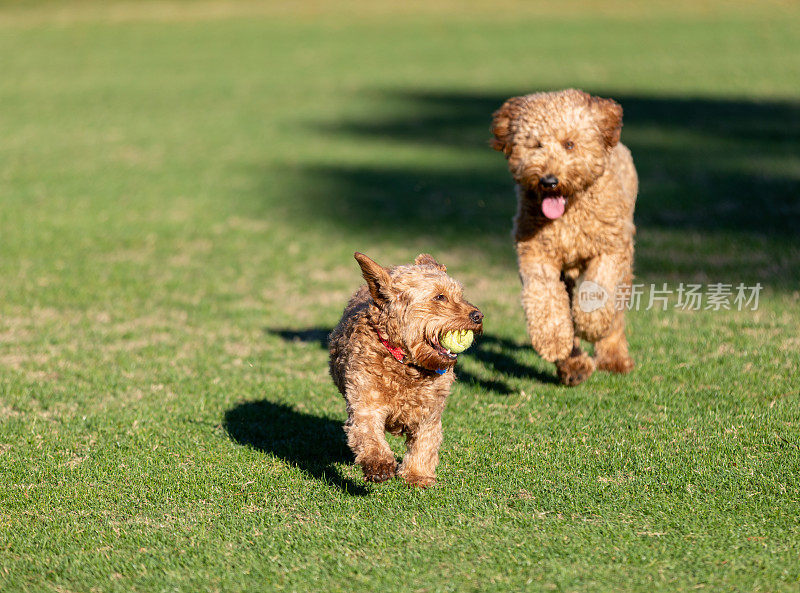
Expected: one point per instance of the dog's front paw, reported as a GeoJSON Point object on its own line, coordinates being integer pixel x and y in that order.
{"type": "Point", "coordinates": [379, 470]}
{"type": "Point", "coordinates": [575, 369]}
{"type": "Point", "coordinates": [554, 342]}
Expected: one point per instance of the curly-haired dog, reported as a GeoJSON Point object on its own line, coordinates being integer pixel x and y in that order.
{"type": "Point", "coordinates": [387, 362]}
{"type": "Point", "coordinates": [576, 190]}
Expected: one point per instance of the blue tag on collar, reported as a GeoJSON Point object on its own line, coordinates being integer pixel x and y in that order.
{"type": "Point", "coordinates": [441, 371]}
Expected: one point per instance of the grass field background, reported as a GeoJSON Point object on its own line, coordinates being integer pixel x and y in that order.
{"type": "Point", "coordinates": [182, 186]}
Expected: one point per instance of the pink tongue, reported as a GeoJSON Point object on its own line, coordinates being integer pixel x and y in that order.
{"type": "Point", "coordinates": [554, 207]}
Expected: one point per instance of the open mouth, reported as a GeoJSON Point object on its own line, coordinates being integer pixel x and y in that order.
{"type": "Point", "coordinates": [553, 206]}
{"type": "Point", "coordinates": [442, 351]}
{"type": "Point", "coordinates": [449, 344]}
{"type": "Point", "coordinates": [552, 200]}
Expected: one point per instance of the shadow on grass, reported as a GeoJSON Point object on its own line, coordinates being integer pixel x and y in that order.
{"type": "Point", "coordinates": [715, 174]}
{"type": "Point", "coordinates": [499, 354]}
{"type": "Point", "coordinates": [311, 335]}
{"type": "Point", "coordinates": [311, 443]}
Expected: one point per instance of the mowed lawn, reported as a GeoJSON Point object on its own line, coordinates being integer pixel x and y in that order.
{"type": "Point", "coordinates": [182, 187]}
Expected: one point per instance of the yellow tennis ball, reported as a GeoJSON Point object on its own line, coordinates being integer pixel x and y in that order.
{"type": "Point", "coordinates": [457, 341]}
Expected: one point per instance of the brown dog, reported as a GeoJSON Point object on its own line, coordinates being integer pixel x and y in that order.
{"type": "Point", "coordinates": [387, 362]}
{"type": "Point", "coordinates": [576, 190]}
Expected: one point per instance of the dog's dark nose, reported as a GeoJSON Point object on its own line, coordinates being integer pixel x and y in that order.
{"type": "Point", "coordinates": [548, 181]}
{"type": "Point", "coordinates": [476, 316]}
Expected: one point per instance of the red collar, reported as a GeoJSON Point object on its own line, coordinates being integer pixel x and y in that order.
{"type": "Point", "coordinates": [395, 351]}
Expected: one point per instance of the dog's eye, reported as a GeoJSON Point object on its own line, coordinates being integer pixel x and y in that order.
{"type": "Point", "coordinates": [440, 298]}
{"type": "Point", "coordinates": [569, 145]}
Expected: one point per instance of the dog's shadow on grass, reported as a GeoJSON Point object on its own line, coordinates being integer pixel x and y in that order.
{"type": "Point", "coordinates": [312, 443]}
{"type": "Point", "coordinates": [500, 355]}
{"type": "Point", "coordinates": [311, 335]}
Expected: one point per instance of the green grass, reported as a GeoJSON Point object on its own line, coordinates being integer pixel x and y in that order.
{"type": "Point", "coordinates": [182, 187]}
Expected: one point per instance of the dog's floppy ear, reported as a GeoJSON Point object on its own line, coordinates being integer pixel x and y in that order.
{"type": "Point", "coordinates": [501, 124]}
{"type": "Point", "coordinates": [378, 280]}
{"type": "Point", "coordinates": [425, 259]}
{"type": "Point", "coordinates": [609, 118]}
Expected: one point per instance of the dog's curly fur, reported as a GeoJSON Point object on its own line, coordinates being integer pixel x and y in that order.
{"type": "Point", "coordinates": [405, 308]}
{"type": "Point", "coordinates": [566, 145]}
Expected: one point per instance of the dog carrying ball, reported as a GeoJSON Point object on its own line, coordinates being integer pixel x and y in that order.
{"type": "Point", "coordinates": [457, 341]}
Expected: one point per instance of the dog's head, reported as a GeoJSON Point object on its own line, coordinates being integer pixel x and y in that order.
{"type": "Point", "coordinates": [557, 144]}
{"type": "Point", "coordinates": [416, 305]}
